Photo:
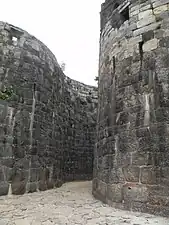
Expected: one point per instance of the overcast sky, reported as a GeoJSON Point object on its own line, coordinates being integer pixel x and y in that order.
{"type": "Point", "coordinates": [70, 28]}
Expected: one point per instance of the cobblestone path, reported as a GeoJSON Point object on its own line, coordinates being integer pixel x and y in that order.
{"type": "Point", "coordinates": [71, 204]}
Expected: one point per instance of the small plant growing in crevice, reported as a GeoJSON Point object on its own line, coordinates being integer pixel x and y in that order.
{"type": "Point", "coordinates": [6, 93]}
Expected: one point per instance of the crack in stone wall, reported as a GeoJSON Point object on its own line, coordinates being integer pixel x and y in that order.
{"type": "Point", "coordinates": [131, 156]}
{"type": "Point", "coordinates": [47, 128]}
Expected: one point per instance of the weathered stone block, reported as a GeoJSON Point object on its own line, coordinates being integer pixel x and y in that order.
{"type": "Point", "coordinates": [145, 7]}
{"type": "Point", "coordinates": [34, 174]}
{"type": "Point", "coordinates": [146, 21]}
{"type": "Point", "coordinates": [149, 175]}
{"type": "Point", "coordinates": [8, 173]}
{"type": "Point", "coordinates": [4, 186]}
{"type": "Point", "coordinates": [116, 176]}
{"type": "Point", "coordinates": [135, 192]}
{"type": "Point", "coordinates": [31, 187]}
{"type": "Point", "coordinates": [164, 42]}
{"type": "Point", "coordinates": [148, 36]}
{"type": "Point", "coordinates": [139, 158]}
{"type": "Point", "coordinates": [5, 150]}
{"type": "Point", "coordinates": [19, 181]}
{"type": "Point", "coordinates": [102, 189]}
{"type": "Point", "coordinates": [133, 13]}
{"type": "Point", "coordinates": [131, 173]}
{"type": "Point", "coordinates": [160, 9]}
{"type": "Point", "coordinates": [157, 209]}
{"type": "Point", "coordinates": [42, 185]}
{"type": "Point", "coordinates": [150, 45]}
{"type": "Point", "coordinates": [114, 192]}
{"type": "Point", "coordinates": [18, 188]}
{"type": "Point", "coordinates": [158, 3]}
{"type": "Point", "coordinates": [50, 183]}
{"type": "Point", "coordinates": [144, 14]}
{"type": "Point", "coordinates": [142, 30]}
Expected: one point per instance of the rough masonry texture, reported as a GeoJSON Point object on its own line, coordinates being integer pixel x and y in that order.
{"type": "Point", "coordinates": [131, 159]}
{"type": "Point", "coordinates": [47, 124]}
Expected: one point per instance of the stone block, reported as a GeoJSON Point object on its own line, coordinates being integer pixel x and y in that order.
{"type": "Point", "coordinates": [148, 36]}
{"type": "Point", "coordinates": [7, 161]}
{"type": "Point", "coordinates": [42, 185]}
{"type": "Point", "coordinates": [50, 183]}
{"type": "Point", "coordinates": [18, 188]}
{"type": "Point", "coordinates": [159, 33]}
{"type": "Point", "coordinates": [2, 174]}
{"type": "Point", "coordinates": [8, 173]}
{"type": "Point", "coordinates": [19, 181]}
{"type": "Point", "coordinates": [34, 174]}
{"type": "Point", "coordinates": [139, 158]}
{"type": "Point", "coordinates": [94, 184]}
{"type": "Point", "coordinates": [165, 33]}
{"type": "Point", "coordinates": [135, 40]}
{"type": "Point", "coordinates": [145, 14]}
{"type": "Point", "coordinates": [145, 7]}
{"type": "Point", "coordinates": [135, 192]}
{"type": "Point", "coordinates": [146, 21]}
{"type": "Point", "coordinates": [149, 175]}
{"type": "Point", "coordinates": [131, 173]}
{"type": "Point", "coordinates": [160, 3]}
{"type": "Point", "coordinates": [58, 183]}
{"type": "Point", "coordinates": [134, 13]}
{"type": "Point", "coordinates": [3, 113]}
{"type": "Point", "coordinates": [31, 187]}
{"type": "Point", "coordinates": [164, 176]}
{"type": "Point", "coordinates": [144, 29]}
{"type": "Point", "coordinates": [159, 210]}
{"type": "Point", "coordinates": [160, 9]}
{"type": "Point", "coordinates": [4, 187]}
{"type": "Point", "coordinates": [116, 176]}
{"type": "Point", "coordinates": [139, 207]}
{"type": "Point", "coordinates": [114, 193]}
{"type": "Point", "coordinates": [134, 8]}
{"type": "Point", "coordinates": [165, 172]}
{"type": "Point", "coordinates": [102, 189]}
{"type": "Point", "coordinates": [150, 45]}
{"type": "Point", "coordinates": [158, 200]}
{"type": "Point", "coordinates": [162, 16]}
{"type": "Point", "coordinates": [164, 42]}
{"type": "Point", "coordinates": [158, 190]}
{"type": "Point", "coordinates": [5, 150]}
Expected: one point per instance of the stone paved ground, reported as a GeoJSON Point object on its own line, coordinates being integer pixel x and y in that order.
{"type": "Point", "coordinates": [71, 204]}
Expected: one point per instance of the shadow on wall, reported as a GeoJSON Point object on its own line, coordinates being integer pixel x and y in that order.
{"type": "Point", "coordinates": [47, 120]}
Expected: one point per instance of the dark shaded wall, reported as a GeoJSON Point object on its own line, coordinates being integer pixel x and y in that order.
{"type": "Point", "coordinates": [131, 159]}
{"type": "Point", "coordinates": [81, 130]}
{"type": "Point", "coordinates": [47, 125]}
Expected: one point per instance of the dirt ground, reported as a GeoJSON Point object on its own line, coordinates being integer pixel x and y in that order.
{"type": "Point", "coordinates": [71, 204]}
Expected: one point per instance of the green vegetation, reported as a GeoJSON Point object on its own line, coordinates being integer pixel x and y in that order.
{"type": "Point", "coordinates": [6, 93]}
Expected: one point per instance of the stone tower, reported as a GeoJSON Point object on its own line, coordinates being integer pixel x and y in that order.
{"type": "Point", "coordinates": [131, 165]}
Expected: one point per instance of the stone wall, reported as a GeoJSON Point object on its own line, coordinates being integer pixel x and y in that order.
{"type": "Point", "coordinates": [47, 124]}
{"type": "Point", "coordinates": [78, 161]}
{"type": "Point", "coordinates": [131, 159]}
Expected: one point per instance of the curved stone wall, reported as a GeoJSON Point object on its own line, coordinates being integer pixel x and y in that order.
{"type": "Point", "coordinates": [131, 159]}
{"type": "Point", "coordinates": [47, 124]}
